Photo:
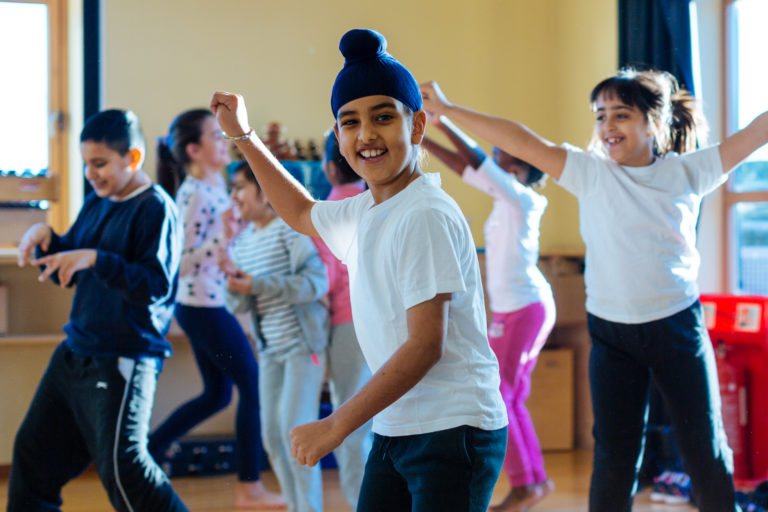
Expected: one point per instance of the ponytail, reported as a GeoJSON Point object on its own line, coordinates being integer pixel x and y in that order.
{"type": "Point", "coordinates": [170, 173]}
{"type": "Point", "coordinates": [172, 158]}
{"type": "Point", "coordinates": [688, 128]}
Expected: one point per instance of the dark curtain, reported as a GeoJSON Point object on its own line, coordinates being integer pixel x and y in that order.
{"type": "Point", "coordinates": [91, 65]}
{"type": "Point", "coordinates": [657, 34]}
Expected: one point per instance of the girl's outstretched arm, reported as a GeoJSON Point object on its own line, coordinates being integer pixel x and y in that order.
{"type": "Point", "coordinates": [511, 136]}
{"type": "Point", "coordinates": [737, 147]}
{"type": "Point", "coordinates": [287, 196]}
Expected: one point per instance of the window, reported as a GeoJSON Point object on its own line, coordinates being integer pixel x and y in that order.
{"type": "Point", "coordinates": [746, 198]}
{"type": "Point", "coordinates": [33, 135]}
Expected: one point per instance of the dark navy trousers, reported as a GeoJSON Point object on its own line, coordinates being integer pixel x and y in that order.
{"type": "Point", "coordinates": [452, 470]}
{"type": "Point", "coordinates": [677, 354]}
{"type": "Point", "coordinates": [90, 409]}
{"type": "Point", "coordinates": [224, 357]}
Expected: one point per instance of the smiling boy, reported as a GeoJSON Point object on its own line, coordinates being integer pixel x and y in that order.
{"type": "Point", "coordinates": [417, 303]}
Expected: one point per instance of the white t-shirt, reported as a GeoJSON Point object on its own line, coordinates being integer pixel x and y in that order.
{"type": "Point", "coordinates": [639, 226]}
{"type": "Point", "coordinates": [513, 279]}
{"type": "Point", "coordinates": [400, 253]}
{"type": "Point", "coordinates": [201, 203]}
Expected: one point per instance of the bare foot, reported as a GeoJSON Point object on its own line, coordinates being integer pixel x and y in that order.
{"type": "Point", "coordinates": [253, 495]}
{"type": "Point", "coordinates": [545, 488]}
{"type": "Point", "coordinates": [519, 499]}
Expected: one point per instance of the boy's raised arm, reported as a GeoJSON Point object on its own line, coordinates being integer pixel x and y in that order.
{"type": "Point", "coordinates": [514, 138]}
{"type": "Point", "coordinates": [287, 196]}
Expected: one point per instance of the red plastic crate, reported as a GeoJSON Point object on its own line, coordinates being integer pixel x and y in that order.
{"type": "Point", "coordinates": [738, 328]}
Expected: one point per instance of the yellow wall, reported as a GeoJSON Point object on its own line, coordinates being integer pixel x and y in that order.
{"type": "Point", "coordinates": [534, 61]}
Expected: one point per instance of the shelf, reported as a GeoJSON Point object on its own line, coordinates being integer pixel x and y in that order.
{"type": "Point", "coordinates": [15, 189]}
{"type": "Point", "coordinates": [56, 338]}
{"type": "Point", "coordinates": [31, 339]}
{"type": "Point", "coordinates": [8, 254]}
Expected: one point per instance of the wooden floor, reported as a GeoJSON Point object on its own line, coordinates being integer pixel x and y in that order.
{"type": "Point", "coordinates": [569, 470]}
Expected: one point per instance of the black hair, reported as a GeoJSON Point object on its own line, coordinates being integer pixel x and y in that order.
{"type": "Point", "coordinates": [172, 158]}
{"type": "Point", "coordinates": [536, 178]}
{"type": "Point", "coordinates": [672, 112]}
{"type": "Point", "coordinates": [119, 130]}
{"type": "Point", "coordinates": [245, 168]}
{"type": "Point", "coordinates": [333, 154]}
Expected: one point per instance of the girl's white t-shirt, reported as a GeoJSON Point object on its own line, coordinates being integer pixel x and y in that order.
{"type": "Point", "coordinates": [639, 227]}
{"type": "Point", "coordinates": [400, 253]}
{"type": "Point", "coordinates": [513, 279]}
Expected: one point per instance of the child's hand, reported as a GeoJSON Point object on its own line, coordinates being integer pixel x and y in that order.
{"type": "Point", "coordinates": [231, 113]}
{"type": "Point", "coordinates": [434, 119]}
{"type": "Point", "coordinates": [239, 282]}
{"type": "Point", "coordinates": [226, 264]}
{"type": "Point", "coordinates": [39, 234]}
{"type": "Point", "coordinates": [313, 441]}
{"type": "Point", "coordinates": [434, 99]}
{"type": "Point", "coordinates": [67, 263]}
{"type": "Point", "coordinates": [233, 225]}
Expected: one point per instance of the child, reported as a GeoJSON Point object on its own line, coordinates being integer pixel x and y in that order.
{"type": "Point", "coordinates": [94, 401]}
{"type": "Point", "coordinates": [520, 297]}
{"type": "Point", "coordinates": [347, 371]}
{"type": "Point", "coordinates": [190, 160]}
{"type": "Point", "coordinates": [639, 198]}
{"type": "Point", "coordinates": [277, 276]}
{"type": "Point", "coordinates": [417, 302]}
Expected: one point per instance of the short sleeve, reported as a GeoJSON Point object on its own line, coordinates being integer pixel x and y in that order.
{"type": "Point", "coordinates": [579, 175]}
{"type": "Point", "coordinates": [429, 262]}
{"type": "Point", "coordinates": [336, 222]}
{"type": "Point", "coordinates": [704, 169]}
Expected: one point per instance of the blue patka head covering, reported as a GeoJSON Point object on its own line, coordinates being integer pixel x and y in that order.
{"type": "Point", "coordinates": [369, 70]}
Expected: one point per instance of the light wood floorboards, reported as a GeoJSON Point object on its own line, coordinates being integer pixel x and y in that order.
{"type": "Point", "coordinates": [569, 470]}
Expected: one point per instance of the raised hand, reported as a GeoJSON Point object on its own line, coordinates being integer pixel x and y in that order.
{"type": "Point", "coordinates": [433, 97]}
{"type": "Point", "coordinates": [67, 263]}
{"type": "Point", "coordinates": [38, 234]}
{"type": "Point", "coordinates": [434, 119]}
{"type": "Point", "coordinates": [230, 113]}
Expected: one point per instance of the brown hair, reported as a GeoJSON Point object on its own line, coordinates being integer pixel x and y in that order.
{"type": "Point", "coordinates": [672, 113]}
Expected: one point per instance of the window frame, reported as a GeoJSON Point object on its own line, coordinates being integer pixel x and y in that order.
{"type": "Point", "coordinates": [54, 187]}
{"type": "Point", "coordinates": [730, 197]}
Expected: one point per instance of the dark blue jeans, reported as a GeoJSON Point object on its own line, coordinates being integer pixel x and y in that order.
{"type": "Point", "coordinates": [90, 409]}
{"type": "Point", "coordinates": [677, 354]}
{"type": "Point", "coordinates": [452, 470]}
{"type": "Point", "coordinates": [224, 356]}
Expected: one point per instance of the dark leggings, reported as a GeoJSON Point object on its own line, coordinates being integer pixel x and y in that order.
{"type": "Point", "coordinates": [677, 354]}
{"type": "Point", "coordinates": [224, 356]}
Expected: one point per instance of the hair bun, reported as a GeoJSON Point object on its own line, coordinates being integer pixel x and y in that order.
{"type": "Point", "coordinates": [361, 43]}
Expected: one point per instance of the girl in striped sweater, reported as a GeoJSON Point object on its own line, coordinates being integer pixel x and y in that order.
{"type": "Point", "coordinates": [275, 273]}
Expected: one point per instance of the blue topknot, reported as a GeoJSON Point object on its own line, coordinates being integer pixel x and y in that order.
{"type": "Point", "coordinates": [369, 70]}
{"type": "Point", "coordinates": [361, 43]}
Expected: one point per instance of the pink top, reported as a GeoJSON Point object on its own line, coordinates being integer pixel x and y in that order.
{"type": "Point", "coordinates": [338, 279]}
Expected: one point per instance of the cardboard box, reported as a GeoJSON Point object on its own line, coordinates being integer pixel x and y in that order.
{"type": "Point", "coordinates": [551, 403]}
